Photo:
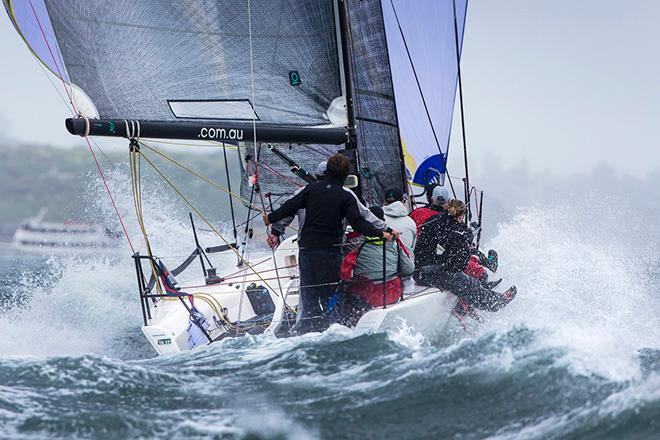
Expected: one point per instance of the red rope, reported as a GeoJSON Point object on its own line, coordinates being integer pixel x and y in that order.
{"type": "Point", "coordinates": [98, 165]}
{"type": "Point", "coordinates": [112, 199]}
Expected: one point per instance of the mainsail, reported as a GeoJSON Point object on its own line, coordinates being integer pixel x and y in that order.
{"type": "Point", "coordinates": [182, 60]}
{"type": "Point", "coordinates": [421, 42]}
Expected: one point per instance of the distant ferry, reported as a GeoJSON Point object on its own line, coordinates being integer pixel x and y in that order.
{"type": "Point", "coordinates": [36, 235]}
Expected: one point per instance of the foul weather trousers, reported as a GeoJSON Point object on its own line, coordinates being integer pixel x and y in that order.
{"type": "Point", "coordinates": [319, 275]}
{"type": "Point", "coordinates": [463, 286]}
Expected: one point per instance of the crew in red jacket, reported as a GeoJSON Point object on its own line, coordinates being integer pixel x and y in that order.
{"type": "Point", "coordinates": [437, 196]}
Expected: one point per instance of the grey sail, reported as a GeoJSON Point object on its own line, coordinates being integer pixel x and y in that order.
{"type": "Point", "coordinates": [171, 60]}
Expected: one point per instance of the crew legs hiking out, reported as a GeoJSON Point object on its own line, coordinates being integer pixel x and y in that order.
{"type": "Point", "coordinates": [443, 253]}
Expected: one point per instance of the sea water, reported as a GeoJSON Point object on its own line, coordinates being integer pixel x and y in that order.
{"type": "Point", "coordinates": [576, 355]}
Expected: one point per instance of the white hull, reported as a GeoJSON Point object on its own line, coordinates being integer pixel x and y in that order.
{"type": "Point", "coordinates": [425, 310]}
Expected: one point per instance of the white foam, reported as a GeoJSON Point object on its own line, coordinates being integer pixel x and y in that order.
{"type": "Point", "coordinates": [583, 289]}
{"type": "Point", "coordinates": [91, 304]}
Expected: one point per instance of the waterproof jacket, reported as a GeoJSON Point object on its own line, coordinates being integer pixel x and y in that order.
{"type": "Point", "coordinates": [326, 204]}
{"type": "Point", "coordinates": [279, 227]}
{"type": "Point", "coordinates": [396, 217]}
{"type": "Point", "coordinates": [420, 215]}
{"type": "Point", "coordinates": [369, 262]}
{"type": "Point", "coordinates": [443, 242]}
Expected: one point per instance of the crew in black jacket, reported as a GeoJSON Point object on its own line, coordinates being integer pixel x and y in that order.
{"type": "Point", "coordinates": [326, 204]}
{"type": "Point", "coordinates": [442, 254]}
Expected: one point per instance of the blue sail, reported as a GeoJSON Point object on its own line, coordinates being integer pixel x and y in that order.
{"type": "Point", "coordinates": [421, 43]}
{"type": "Point", "coordinates": [30, 18]}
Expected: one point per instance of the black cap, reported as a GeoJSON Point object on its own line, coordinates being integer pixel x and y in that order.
{"type": "Point", "coordinates": [393, 195]}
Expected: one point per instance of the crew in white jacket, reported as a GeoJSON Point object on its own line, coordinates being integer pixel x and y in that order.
{"type": "Point", "coordinates": [396, 217]}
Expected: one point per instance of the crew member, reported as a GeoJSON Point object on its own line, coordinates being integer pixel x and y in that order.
{"type": "Point", "coordinates": [396, 217]}
{"type": "Point", "coordinates": [326, 204]}
{"type": "Point", "coordinates": [442, 254]}
{"type": "Point", "coordinates": [437, 198]}
{"type": "Point", "coordinates": [277, 229]}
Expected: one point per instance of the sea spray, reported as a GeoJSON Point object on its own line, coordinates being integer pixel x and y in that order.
{"type": "Point", "coordinates": [586, 291]}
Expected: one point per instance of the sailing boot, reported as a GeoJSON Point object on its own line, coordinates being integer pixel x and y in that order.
{"type": "Point", "coordinates": [491, 262]}
{"type": "Point", "coordinates": [509, 294]}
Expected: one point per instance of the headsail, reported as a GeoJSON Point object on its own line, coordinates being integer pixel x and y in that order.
{"type": "Point", "coordinates": [429, 33]}
{"type": "Point", "coordinates": [30, 18]}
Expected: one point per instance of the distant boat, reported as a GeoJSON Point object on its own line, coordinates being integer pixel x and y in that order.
{"type": "Point", "coordinates": [36, 235]}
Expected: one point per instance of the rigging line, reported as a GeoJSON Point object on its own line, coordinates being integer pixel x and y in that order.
{"type": "Point", "coordinates": [136, 188]}
{"type": "Point", "coordinates": [231, 201]}
{"type": "Point", "coordinates": [59, 93]}
{"type": "Point", "coordinates": [208, 223]}
{"type": "Point", "coordinates": [419, 86]}
{"type": "Point", "coordinates": [451, 184]}
{"type": "Point", "coordinates": [89, 144]}
{"type": "Point", "coordinates": [257, 146]}
{"type": "Point", "coordinates": [460, 95]}
{"type": "Point", "coordinates": [66, 104]}
{"type": "Point", "coordinates": [98, 147]}
{"type": "Point", "coordinates": [248, 224]}
{"type": "Point", "coordinates": [277, 173]}
{"type": "Point", "coordinates": [196, 174]}
{"type": "Point", "coordinates": [112, 199]}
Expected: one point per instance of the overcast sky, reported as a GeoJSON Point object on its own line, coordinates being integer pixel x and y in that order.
{"type": "Point", "coordinates": [560, 85]}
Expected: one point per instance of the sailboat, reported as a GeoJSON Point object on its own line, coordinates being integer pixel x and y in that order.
{"type": "Point", "coordinates": [288, 83]}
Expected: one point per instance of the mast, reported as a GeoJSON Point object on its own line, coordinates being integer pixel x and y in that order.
{"type": "Point", "coordinates": [341, 15]}
{"type": "Point", "coordinates": [345, 61]}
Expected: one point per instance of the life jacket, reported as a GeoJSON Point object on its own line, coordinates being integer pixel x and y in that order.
{"type": "Point", "coordinates": [367, 290]}
{"type": "Point", "coordinates": [420, 215]}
